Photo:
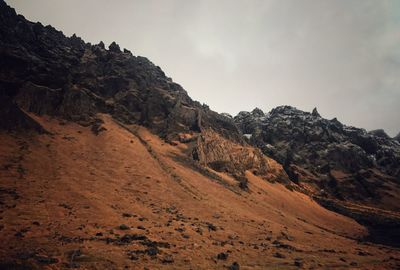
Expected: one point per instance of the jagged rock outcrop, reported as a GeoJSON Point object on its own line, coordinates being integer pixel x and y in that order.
{"type": "Point", "coordinates": [45, 72]}
{"type": "Point", "coordinates": [114, 47]}
{"type": "Point", "coordinates": [397, 137]}
{"type": "Point", "coordinates": [315, 113]}
{"type": "Point", "coordinates": [250, 123]}
{"type": "Point", "coordinates": [379, 133]}
{"type": "Point", "coordinates": [314, 150]}
{"type": "Point", "coordinates": [223, 155]}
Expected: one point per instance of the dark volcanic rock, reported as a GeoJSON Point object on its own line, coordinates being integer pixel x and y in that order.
{"type": "Point", "coordinates": [279, 255]}
{"type": "Point", "coordinates": [124, 227]}
{"type": "Point", "coordinates": [313, 148]}
{"type": "Point", "coordinates": [45, 72]}
{"type": "Point", "coordinates": [128, 238]}
{"type": "Point", "coordinates": [234, 266]}
{"type": "Point", "coordinates": [379, 133]}
{"type": "Point", "coordinates": [101, 45]}
{"type": "Point", "coordinates": [13, 118]}
{"type": "Point", "coordinates": [315, 113]}
{"type": "Point", "coordinates": [114, 47]}
{"type": "Point", "coordinates": [298, 262]}
{"type": "Point", "coordinates": [222, 256]}
{"type": "Point", "coordinates": [397, 137]}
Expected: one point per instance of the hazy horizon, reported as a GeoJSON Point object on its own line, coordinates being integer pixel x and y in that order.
{"type": "Point", "coordinates": [342, 57]}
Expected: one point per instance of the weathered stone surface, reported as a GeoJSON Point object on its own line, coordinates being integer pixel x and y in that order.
{"type": "Point", "coordinates": [114, 47]}
{"type": "Point", "coordinates": [379, 133]}
{"type": "Point", "coordinates": [313, 151]}
{"type": "Point", "coordinates": [45, 72]}
{"type": "Point", "coordinates": [397, 137]}
{"type": "Point", "coordinates": [223, 155]}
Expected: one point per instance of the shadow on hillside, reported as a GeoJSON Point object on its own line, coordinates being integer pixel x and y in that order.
{"type": "Point", "coordinates": [383, 226]}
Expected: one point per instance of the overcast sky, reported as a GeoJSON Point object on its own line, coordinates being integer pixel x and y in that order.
{"type": "Point", "coordinates": [342, 57]}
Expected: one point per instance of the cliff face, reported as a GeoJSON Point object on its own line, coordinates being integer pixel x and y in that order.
{"type": "Point", "coordinates": [71, 199]}
{"type": "Point", "coordinates": [344, 162]}
{"type": "Point", "coordinates": [397, 137]}
{"type": "Point", "coordinates": [47, 73]}
{"type": "Point", "coordinates": [43, 73]}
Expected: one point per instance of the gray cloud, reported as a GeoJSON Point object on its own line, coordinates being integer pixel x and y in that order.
{"type": "Point", "coordinates": [341, 56]}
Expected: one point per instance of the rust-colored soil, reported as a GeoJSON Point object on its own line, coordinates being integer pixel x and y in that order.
{"type": "Point", "coordinates": [64, 197]}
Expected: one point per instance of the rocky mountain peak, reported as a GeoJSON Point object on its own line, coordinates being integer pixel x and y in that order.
{"type": "Point", "coordinates": [45, 72]}
{"type": "Point", "coordinates": [6, 10]}
{"type": "Point", "coordinates": [227, 115]}
{"type": "Point", "coordinates": [121, 115]}
{"type": "Point", "coordinates": [315, 113]}
{"type": "Point", "coordinates": [285, 110]}
{"type": "Point", "coordinates": [101, 45]}
{"type": "Point", "coordinates": [114, 47]}
{"type": "Point", "coordinates": [379, 133]}
{"type": "Point", "coordinates": [257, 112]}
{"type": "Point", "coordinates": [397, 137]}
{"type": "Point", "coordinates": [305, 140]}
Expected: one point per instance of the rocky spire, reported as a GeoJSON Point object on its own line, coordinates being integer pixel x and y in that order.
{"type": "Point", "coordinates": [114, 47]}
{"type": "Point", "coordinates": [315, 113]}
{"type": "Point", "coordinates": [77, 41]}
{"type": "Point", "coordinates": [257, 112]}
{"type": "Point", "coordinates": [101, 45]}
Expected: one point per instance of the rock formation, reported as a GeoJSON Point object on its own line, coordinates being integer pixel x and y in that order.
{"type": "Point", "coordinates": [43, 72]}
{"type": "Point", "coordinates": [379, 133]}
{"type": "Point", "coordinates": [46, 73]}
{"type": "Point", "coordinates": [397, 137]}
{"type": "Point", "coordinates": [314, 150]}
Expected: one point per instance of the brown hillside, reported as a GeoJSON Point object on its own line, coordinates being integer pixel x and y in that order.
{"type": "Point", "coordinates": [125, 199]}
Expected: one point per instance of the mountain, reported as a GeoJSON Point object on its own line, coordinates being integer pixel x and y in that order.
{"type": "Point", "coordinates": [46, 73]}
{"type": "Point", "coordinates": [397, 137]}
{"type": "Point", "coordinates": [326, 157]}
{"type": "Point", "coordinates": [106, 163]}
